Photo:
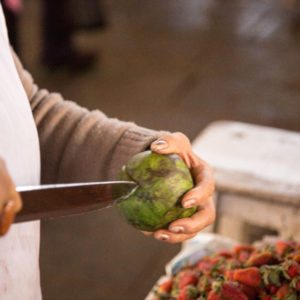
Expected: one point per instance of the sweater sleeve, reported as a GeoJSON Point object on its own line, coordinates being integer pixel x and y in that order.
{"type": "Point", "coordinates": [77, 144]}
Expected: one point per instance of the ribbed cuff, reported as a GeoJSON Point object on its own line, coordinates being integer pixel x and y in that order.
{"type": "Point", "coordinates": [134, 140]}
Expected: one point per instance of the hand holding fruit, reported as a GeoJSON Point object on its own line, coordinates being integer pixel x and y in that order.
{"type": "Point", "coordinates": [200, 196]}
{"type": "Point", "coordinates": [10, 201]}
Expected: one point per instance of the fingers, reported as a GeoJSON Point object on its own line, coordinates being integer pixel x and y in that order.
{"type": "Point", "coordinates": [172, 238]}
{"type": "Point", "coordinates": [197, 222]}
{"type": "Point", "coordinates": [176, 143]}
{"type": "Point", "coordinates": [7, 216]}
{"type": "Point", "coordinates": [186, 228]}
{"type": "Point", "coordinates": [147, 233]}
{"type": "Point", "coordinates": [9, 208]}
{"type": "Point", "coordinates": [204, 186]}
{"type": "Point", "coordinates": [10, 201]}
{"type": "Point", "coordinates": [17, 202]}
{"type": "Point", "coordinates": [200, 196]}
{"type": "Point", "coordinates": [8, 213]}
{"type": "Point", "coordinates": [171, 143]}
{"type": "Point", "coordinates": [201, 172]}
{"type": "Point", "coordinates": [167, 236]}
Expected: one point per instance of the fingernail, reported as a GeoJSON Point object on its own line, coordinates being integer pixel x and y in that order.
{"type": "Point", "coordinates": [163, 237]}
{"type": "Point", "coordinates": [177, 229]}
{"type": "Point", "coordinates": [160, 144]}
{"type": "Point", "coordinates": [189, 203]}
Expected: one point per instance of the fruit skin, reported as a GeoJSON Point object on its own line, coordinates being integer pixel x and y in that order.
{"type": "Point", "coordinates": [284, 292]}
{"type": "Point", "coordinates": [166, 286]}
{"type": "Point", "coordinates": [250, 276]}
{"type": "Point", "coordinates": [213, 295]}
{"type": "Point", "coordinates": [227, 291]}
{"type": "Point", "coordinates": [231, 291]}
{"type": "Point", "coordinates": [162, 181]}
{"type": "Point", "coordinates": [283, 247]}
{"type": "Point", "coordinates": [188, 292]}
{"type": "Point", "coordinates": [259, 259]}
{"type": "Point", "coordinates": [243, 252]}
{"type": "Point", "coordinates": [291, 268]}
{"type": "Point", "coordinates": [187, 277]}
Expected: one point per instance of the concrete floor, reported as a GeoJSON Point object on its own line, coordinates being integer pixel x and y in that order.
{"type": "Point", "coordinates": [174, 65]}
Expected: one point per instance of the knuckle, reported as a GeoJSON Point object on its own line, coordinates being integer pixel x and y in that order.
{"type": "Point", "coordinates": [213, 188]}
{"type": "Point", "coordinates": [182, 137]}
{"type": "Point", "coordinates": [180, 134]}
{"type": "Point", "coordinates": [192, 228]}
{"type": "Point", "coordinates": [211, 219]}
{"type": "Point", "coordinates": [176, 240]}
{"type": "Point", "coordinates": [19, 205]}
{"type": "Point", "coordinates": [172, 241]}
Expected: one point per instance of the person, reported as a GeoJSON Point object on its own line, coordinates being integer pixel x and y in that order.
{"type": "Point", "coordinates": [58, 29]}
{"type": "Point", "coordinates": [59, 25]}
{"type": "Point", "coordinates": [46, 139]}
{"type": "Point", "coordinates": [12, 10]}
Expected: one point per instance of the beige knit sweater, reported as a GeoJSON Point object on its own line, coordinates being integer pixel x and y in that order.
{"type": "Point", "coordinates": [77, 144]}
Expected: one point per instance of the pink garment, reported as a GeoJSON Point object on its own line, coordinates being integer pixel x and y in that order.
{"type": "Point", "coordinates": [14, 5]}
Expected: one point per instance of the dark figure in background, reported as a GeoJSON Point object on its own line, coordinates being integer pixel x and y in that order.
{"type": "Point", "coordinates": [61, 19]}
{"type": "Point", "coordinates": [12, 22]}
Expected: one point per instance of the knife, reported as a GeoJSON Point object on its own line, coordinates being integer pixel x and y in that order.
{"type": "Point", "coordinates": [57, 200]}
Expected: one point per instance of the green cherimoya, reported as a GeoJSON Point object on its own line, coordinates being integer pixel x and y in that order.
{"type": "Point", "coordinates": [162, 181]}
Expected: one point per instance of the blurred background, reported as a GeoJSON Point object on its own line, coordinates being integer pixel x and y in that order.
{"type": "Point", "coordinates": [175, 65]}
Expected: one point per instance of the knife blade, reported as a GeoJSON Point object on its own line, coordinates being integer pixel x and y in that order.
{"type": "Point", "coordinates": [50, 201]}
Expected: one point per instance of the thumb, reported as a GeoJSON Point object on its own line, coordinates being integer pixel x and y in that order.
{"type": "Point", "coordinates": [7, 216]}
{"type": "Point", "coordinates": [176, 143]}
{"type": "Point", "coordinates": [171, 143]}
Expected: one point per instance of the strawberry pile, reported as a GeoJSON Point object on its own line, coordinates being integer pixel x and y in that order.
{"type": "Point", "coordinates": [271, 272]}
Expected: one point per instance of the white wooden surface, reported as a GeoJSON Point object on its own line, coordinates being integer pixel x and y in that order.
{"type": "Point", "coordinates": [257, 172]}
{"type": "Point", "coordinates": [285, 219]}
{"type": "Point", "coordinates": [253, 160]}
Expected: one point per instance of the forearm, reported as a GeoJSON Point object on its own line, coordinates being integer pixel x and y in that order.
{"type": "Point", "coordinates": [79, 145]}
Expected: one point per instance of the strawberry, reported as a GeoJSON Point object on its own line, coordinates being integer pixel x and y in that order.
{"type": "Point", "coordinates": [258, 259]}
{"type": "Point", "coordinates": [291, 269]}
{"type": "Point", "coordinates": [271, 275]}
{"type": "Point", "coordinates": [187, 277]}
{"type": "Point", "coordinates": [228, 274]}
{"type": "Point", "coordinates": [295, 284]}
{"type": "Point", "coordinates": [285, 292]}
{"type": "Point", "coordinates": [165, 286]}
{"type": "Point", "coordinates": [298, 286]}
{"type": "Point", "coordinates": [219, 265]}
{"type": "Point", "coordinates": [188, 293]}
{"type": "Point", "coordinates": [183, 295]}
{"type": "Point", "coordinates": [232, 263]}
{"type": "Point", "coordinates": [250, 276]}
{"type": "Point", "coordinates": [213, 295]}
{"type": "Point", "coordinates": [272, 288]}
{"type": "Point", "coordinates": [283, 247]}
{"type": "Point", "coordinates": [250, 292]}
{"type": "Point", "coordinates": [242, 252]}
{"type": "Point", "coordinates": [227, 290]}
{"type": "Point", "coordinates": [232, 291]}
{"type": "Point", "coordinates": [204, 284]}
{"type": "Point", "coordinates": [205, 266]}
{"type": "Point", "coordinates": [237, 249]}
{"type": "Point", "coordinates": [295, 256]}
{"type": "Point", "coordinates": [225, 253]}
{"type": "Point", "coordinates": [246, 273]}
